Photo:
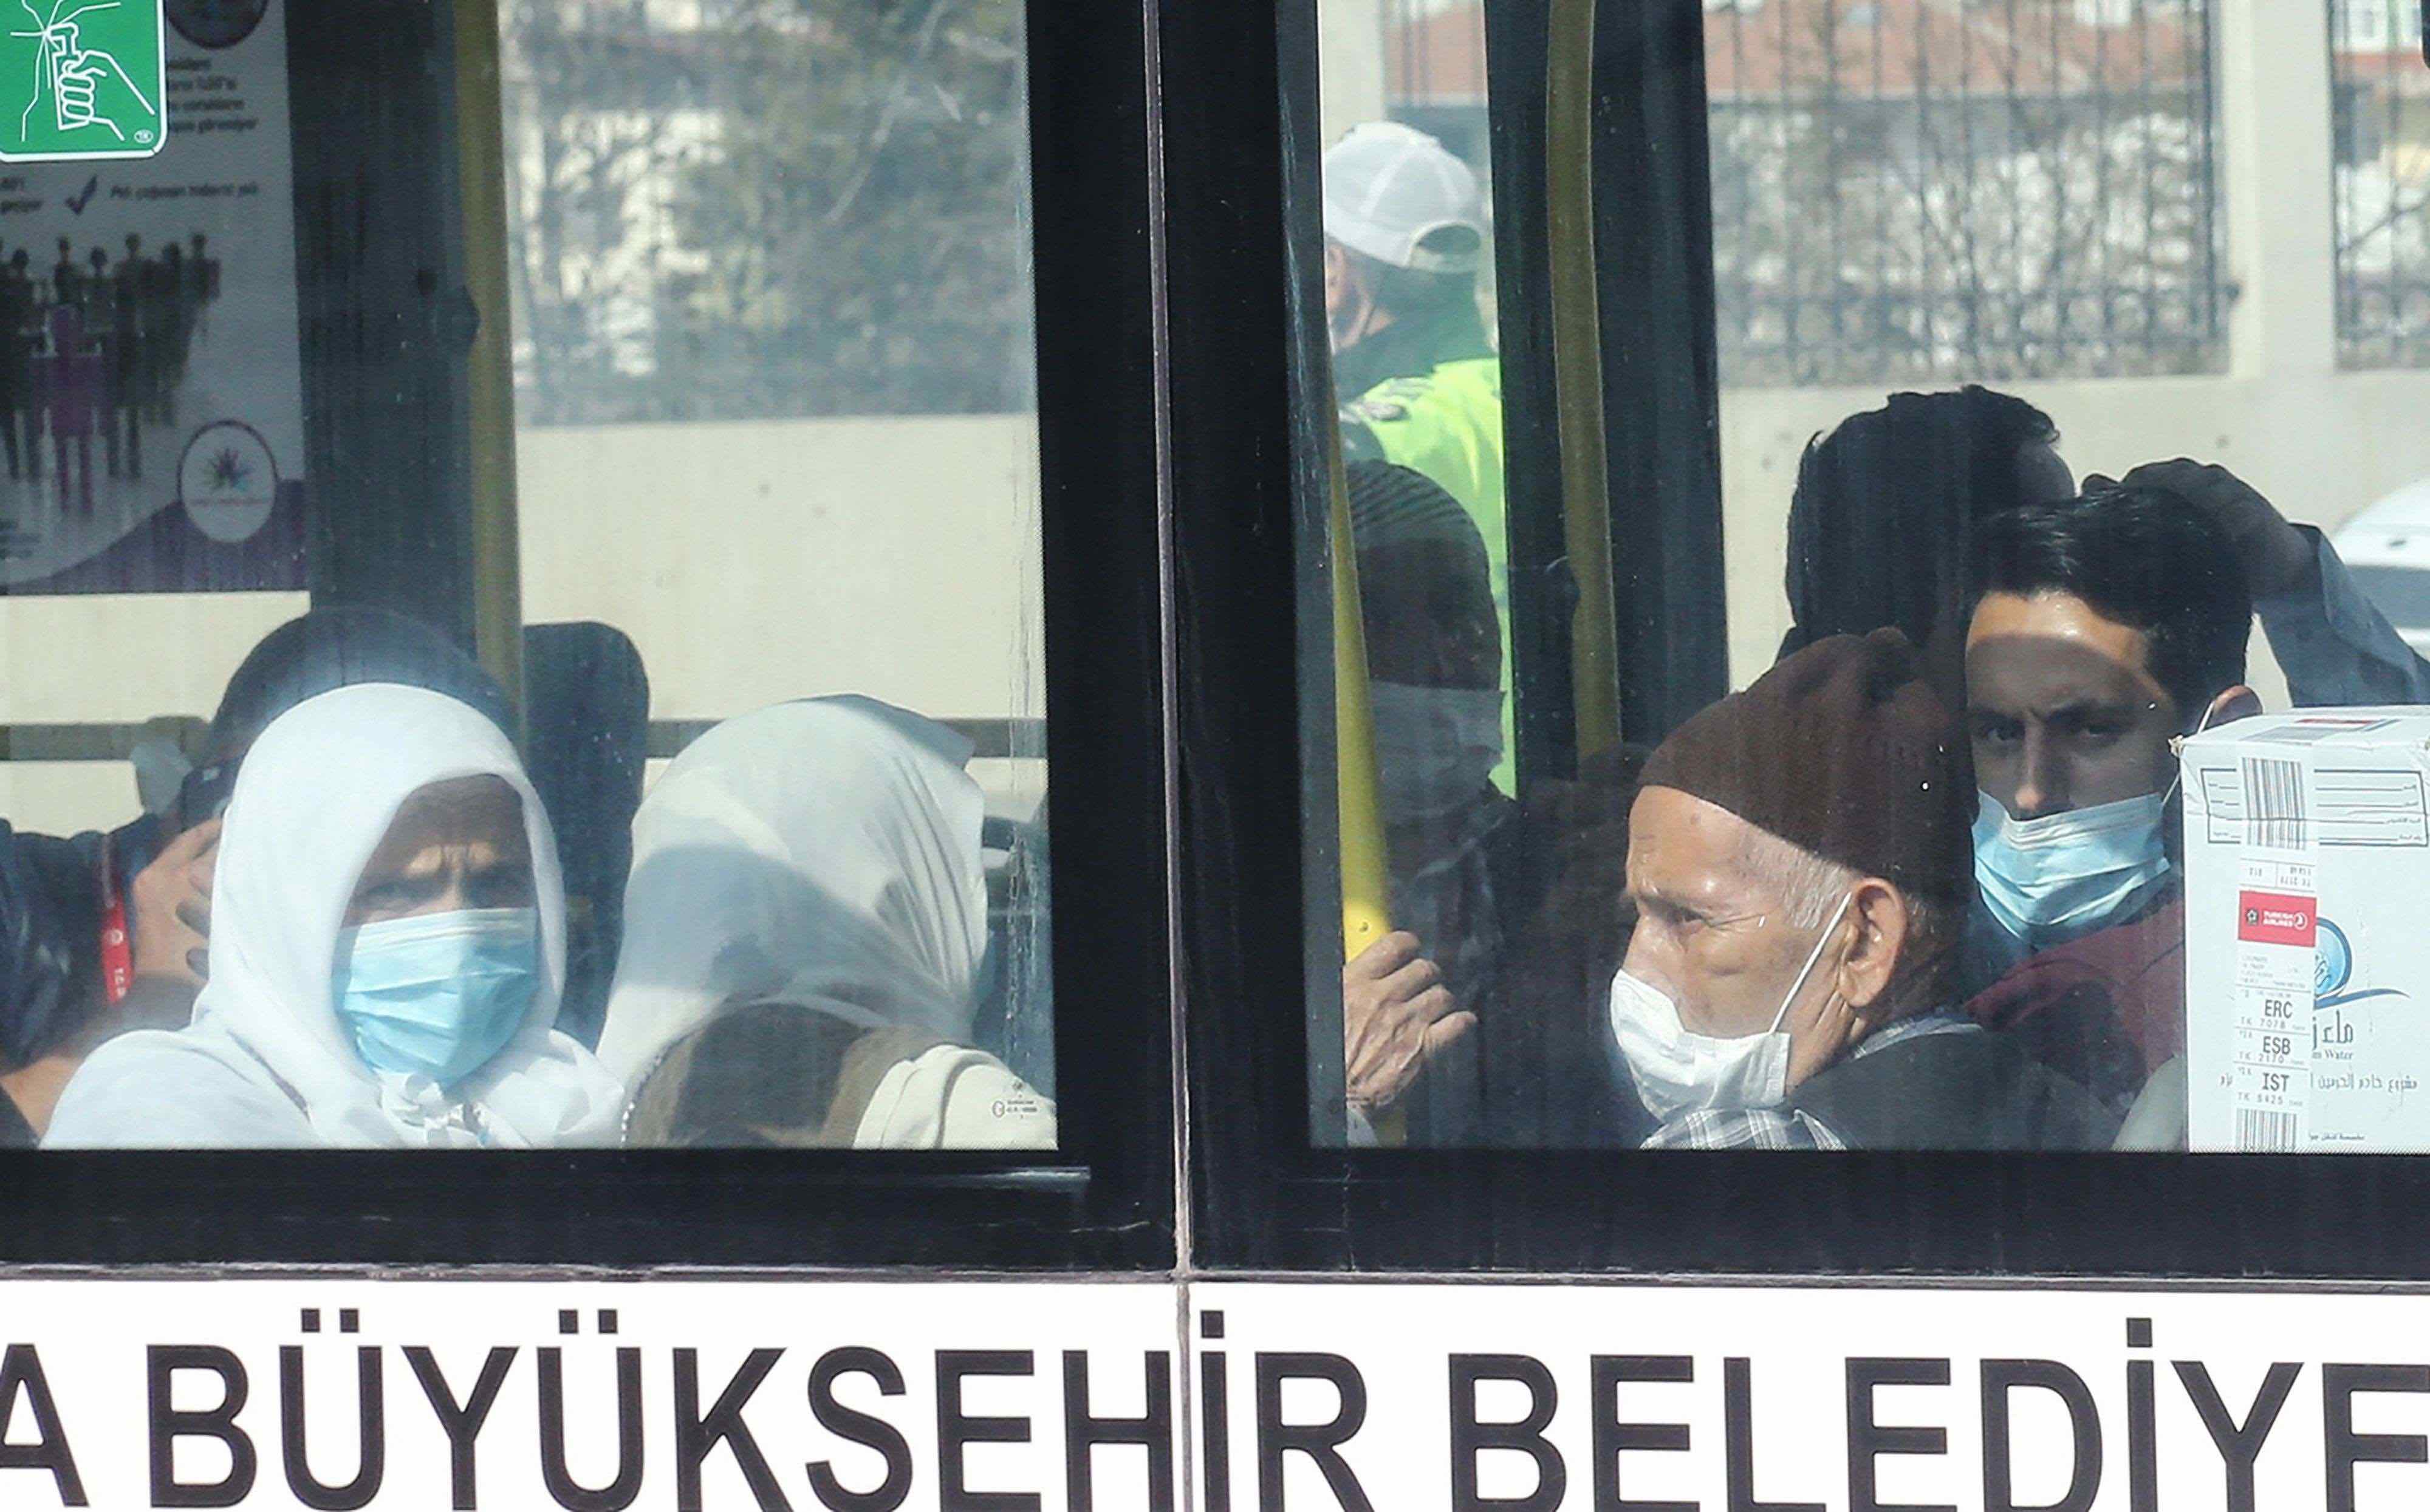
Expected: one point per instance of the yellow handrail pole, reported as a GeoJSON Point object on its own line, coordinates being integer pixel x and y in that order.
{"type": "Point", "coordinates": [1366, 875]}
{"type": "Point", "coordinates": [480, 159]}
{"type": "Point", "coordinates": [1366, 879]}
{"type": "Point", "coordinates": [1577, 371]}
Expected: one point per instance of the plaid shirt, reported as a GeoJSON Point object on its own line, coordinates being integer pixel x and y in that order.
{"type": "Point", "coordinates": [1781, 1128]}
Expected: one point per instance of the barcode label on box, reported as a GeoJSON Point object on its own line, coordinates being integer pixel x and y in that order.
{"type": "Point", "coordinates": [2270, 1077]}
{"type": "Point", "coordinates": [2260, 1131]}
{"type": "Point", "coordinates": [2275, 816]}
{"type": "Point", "coordinates": [2307, 969]}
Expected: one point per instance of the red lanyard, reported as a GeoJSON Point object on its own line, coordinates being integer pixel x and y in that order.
{"type": "Point", "coordinates": [117, 950]}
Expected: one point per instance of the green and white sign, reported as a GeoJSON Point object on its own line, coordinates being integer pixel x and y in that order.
{"type": "Point", "coordinates": [151, 372]}
{"type": "Point", "coordinates": [83, 79]}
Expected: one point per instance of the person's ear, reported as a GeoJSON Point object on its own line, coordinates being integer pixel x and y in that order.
{"type": "Point", "coordinates": [1878, 917]}
{"type": "Point", "coordinates": [1336, 272]}
{"type": "Point", "coordinates": [2237, 703]}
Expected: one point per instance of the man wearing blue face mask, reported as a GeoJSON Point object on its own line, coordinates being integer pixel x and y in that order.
{"type": "Point", "coordinates": [144, 888]}
{"type": "Point", "coordinates": [1453, 1019]}
{"type": "Point", "coordinates": [1434, 656]}
{"type": "Point", "coordinates": [438, 957]}
{"type": "Point", "coordinates": [387, 951]}
{"type": "Point", "coordinates": [2103, 628]}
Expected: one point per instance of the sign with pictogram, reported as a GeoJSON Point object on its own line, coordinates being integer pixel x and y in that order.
{"type": "Point", "coordinates": [84, 80]}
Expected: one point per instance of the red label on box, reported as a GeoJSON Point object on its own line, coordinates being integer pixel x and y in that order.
{"type": "Point", "coordinates": [2276, 918]}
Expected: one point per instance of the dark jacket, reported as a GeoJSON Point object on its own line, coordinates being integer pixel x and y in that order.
{"type": "Point", "coordinates": [49, 939]}
{"type": "Point", "coordinates": [1546, 1073]}
{"type": "Point", "coordinates": [2104, 1011]}
{"type": "Point", "coordinates": [1953, 1092]}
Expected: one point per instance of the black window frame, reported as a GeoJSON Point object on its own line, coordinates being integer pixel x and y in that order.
{"type": "Point", "coordinates": [1104, 1200]}
{"type": "Point", "coordinates": [1265, 1200]}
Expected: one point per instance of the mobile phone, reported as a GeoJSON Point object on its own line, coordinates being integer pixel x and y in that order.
{"type": "Point", "coordinates": [203, 794]}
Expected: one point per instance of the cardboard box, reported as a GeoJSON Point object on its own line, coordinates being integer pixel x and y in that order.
{"type": "Point", "coordinates": [2307, 932]}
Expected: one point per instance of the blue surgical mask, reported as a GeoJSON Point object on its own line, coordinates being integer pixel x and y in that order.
{"type": "Point", "coordinates": [2064, 876]}
{"type": "Point", "coordinates": [437, 993]}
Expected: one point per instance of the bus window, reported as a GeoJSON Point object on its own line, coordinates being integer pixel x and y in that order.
{"type": "Point", "coordinates": [542, 653]}
{"type": "Point", "coordinates": [2053, 343]}
{"type": "Point", "coordinates": [2089, 468]}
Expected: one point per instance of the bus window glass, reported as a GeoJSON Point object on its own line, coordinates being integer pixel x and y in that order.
{"type": "Point", "coordinates": [2069, 365]}
{"type": "Point", "coordinates": [1444, 835]}
{"type": "Point", "coordinates": [661, 759]}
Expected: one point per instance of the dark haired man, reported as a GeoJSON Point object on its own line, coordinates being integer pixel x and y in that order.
{"type": "Point", "coordinates": [1881, 523]}
{"type": "Point", "coordinates": [1886, 503]}
{"type": "Point", "coordinates": [2105, 628]}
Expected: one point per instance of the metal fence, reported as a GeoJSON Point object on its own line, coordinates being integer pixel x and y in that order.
{"type": "Point", "coordinates": [1944, 190]}
{"type": "Point", "coordinates": [2381, 100]}
{"type": "Point", "coordinates": [1933, 190]}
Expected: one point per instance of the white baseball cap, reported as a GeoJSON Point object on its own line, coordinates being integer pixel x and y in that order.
{"type": "Point", "coordinates": [1390, 192]}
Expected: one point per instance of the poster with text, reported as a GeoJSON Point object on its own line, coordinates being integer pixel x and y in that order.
{"type": "Point", "coordinates": [151, 386]}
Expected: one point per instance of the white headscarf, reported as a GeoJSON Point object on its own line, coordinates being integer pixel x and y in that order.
{"type": "Point", "coordinates": [822, 853]}
{"type": "Point", "coordinates": [316, 796]}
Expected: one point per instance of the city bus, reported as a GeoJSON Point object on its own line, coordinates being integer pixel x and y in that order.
{"type": "Point", "coordinates": [1070, 695]}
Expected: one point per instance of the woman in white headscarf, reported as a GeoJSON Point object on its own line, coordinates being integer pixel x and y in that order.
{"type": "Point", "coordinates": [802, 933]}
{"type": "Point", "coordinates": [387, 946]}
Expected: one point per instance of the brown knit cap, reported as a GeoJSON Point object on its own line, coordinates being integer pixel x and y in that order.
{"type": "Point", "coordinates": [1842, 750]}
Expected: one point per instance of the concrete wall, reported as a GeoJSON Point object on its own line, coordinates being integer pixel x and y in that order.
{"type": "Point", "coordinates": [2321, 446]}
{"type": "Point", "coordinates": [750, 562]}
{"type": "Point", "coordinates": [759, 561]}
{"type": "Point", "coordinates": [1349, 64]}
{"type": "Point", "coordinates": [114, 658]}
